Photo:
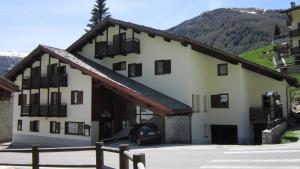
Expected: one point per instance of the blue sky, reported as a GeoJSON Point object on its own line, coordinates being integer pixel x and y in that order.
{"type": "Point", "coordinates": [58, 23]}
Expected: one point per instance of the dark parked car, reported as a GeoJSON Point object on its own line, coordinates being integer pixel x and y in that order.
{"type": "Point", "coordinates": [144, 133]}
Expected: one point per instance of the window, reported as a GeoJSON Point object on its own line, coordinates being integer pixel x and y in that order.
{"type": "Point", "coordinates": [134, 70]}
{"type": "Point", "coordinates": [19, 127]}
{"type": "Point", "coordinates": [222, 69]}
{"type": "Point", "coordinates": [22, 99]}
{"type": "Point", "coordinates": [119, 66]}
{"type": "Point", "coordinates": [74, 128]}
{"type": "Point", "coordinates": [162, 67]}
{"type": "Point", "coordinates": [34, 126]}
{"type": "Point", "coordinates": [196, 103]}
{"type": "Point", "coordinates": [62, 70]}
{"type": "Point", "coordinates": [220, 101]}
{"type": "Point", "coordinates": [55, 98]}
{"type": "Point", "coordinates": [35, 71]}
{"type": "Point", "coordinates": [54, 127]}
{"type": "Point", "coordinates": [35, 99]}
{"type": "Point", "coordinates": [77, 97]}
{"type": "Point", "coordinates": [52, 69]}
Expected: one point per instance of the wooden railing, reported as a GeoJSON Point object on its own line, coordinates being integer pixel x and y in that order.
{"type": "Point", "coordinates": [138, 160]}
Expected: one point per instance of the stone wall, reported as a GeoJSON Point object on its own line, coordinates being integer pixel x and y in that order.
{"type": "Point", "coordinates": [178, 129]}
{"type": "Point", "coordinates": [273, 136]}
{"type": "Point", "coordinates": [5, 120]}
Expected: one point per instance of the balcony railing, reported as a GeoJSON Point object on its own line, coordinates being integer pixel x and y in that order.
{"type": "Point", "coordinates": [110, 49]}
{"type": "Point", "coordinates": [45, 81]}
{"type": "Point", "coordinates": [294, 33]}
{"type": "Point", "coordinates": [42, 110]}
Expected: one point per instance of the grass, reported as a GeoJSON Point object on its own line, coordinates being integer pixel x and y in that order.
{"type": "Point", "coordinates": [262, 56]}
{"type": "Point", "coordinates": [289, 137]}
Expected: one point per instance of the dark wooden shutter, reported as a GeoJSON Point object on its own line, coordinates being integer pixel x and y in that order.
{"type": "Point", "coordinates": [115, 66]}
{"type": "Point", "coordinates": [156, 67]}
{"type": "Point", "coordinates": [215, 100]}
{"type": "Point", "coordinates": [138, 69]}
{"type": "Point", "coordinates": [31, 126]}
{"type": "Point", "coordinates": [57, 127]}
{"type": "Point", "coordinates": [51, 126]}
{"type": "Point", "coordinates": [167, 66]}
{"type": "Point", "coordinates": [20, 101]}
{"type": "Point", "coordinates": [62, 70]}
{"type": "Point", "coordinates": [80, 97]}
{"type": "Point", "coordinates": [73, 97]}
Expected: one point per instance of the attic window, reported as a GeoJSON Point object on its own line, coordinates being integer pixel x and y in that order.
{"type": "Point", "coordinates": [162, 67]}
{"type": "Point", "coordinates": [222, 69]}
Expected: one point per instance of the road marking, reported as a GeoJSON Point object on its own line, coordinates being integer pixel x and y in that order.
{"type": "Point", "coordinates": [249, 167]}
{"type": "Point", "coordinates": [262, 148]}
{"type": "Point", "coordinates": [257, 161]}
{"type": "Point", "coordinates": [261, 152]}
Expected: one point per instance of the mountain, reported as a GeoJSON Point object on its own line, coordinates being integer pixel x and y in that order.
{"type": "Point", "coordinates": [235, 30]}
{"type": "Point", "coordinates": [8, 60]}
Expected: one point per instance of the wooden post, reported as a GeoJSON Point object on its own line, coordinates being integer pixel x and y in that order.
{"type": "Point", "coordinates": [99, 155]}
{"type": "Point", "coordinates": [35, 157]}
{"type": "Point", "coordinates": [138, 158]}
{"type": "Point", "coordinates": [124, 161]}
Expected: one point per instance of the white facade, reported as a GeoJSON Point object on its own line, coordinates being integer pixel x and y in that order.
{"type": "Point", "coordinates": [192, 73]}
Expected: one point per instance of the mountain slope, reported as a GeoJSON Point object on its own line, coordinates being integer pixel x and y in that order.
{"type": "Point", "coordinates": [8, 60]}
{"type": "Point", "coordinates": [235, 30]}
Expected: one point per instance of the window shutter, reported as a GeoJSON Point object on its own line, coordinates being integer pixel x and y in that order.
{"type": "Point", "coordinates": [80, 97]}
{"type": "Point", "coordinates": [57, 127]}
{"type": "Point", "coordinates": [215, 101]}
{"type": "Point", "coordinates": [20, 101]}
{"type": "Point", "coordinates": [31, 126]}
{"type": "Point", "coordinates": [51, 126]}
{"type": "Point", "coordinates": [138, 69]}
{"type": "Point", "coordinates": [156, 67]}
{"type": "Point", "coordinates": [72, 97]}
{"type": "Point", "coordinates": [114, 66]}
{"type": "Point", "coordinates": [167, 66]}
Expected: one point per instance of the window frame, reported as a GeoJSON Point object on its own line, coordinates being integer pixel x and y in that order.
{"type": "Point", "coordinates": [219, 104]}
{"type": "Point", "coordinates": [118, 66]}
{"type": "Point", "coordinates": [76, 97]}
{"type": "Point", "coordinates": [19, 125]}
{"type": "Point", "coordinates": [56, 124]}
{"type": "Point", "coordinates": [138, 69]}
{"type": "Point", "coordinates": [219, 69]}
{"type": "Point", "coordinates": [34, 126]}
{"type": "Point", "coordinates": [78, 132]}
{"type": "Point", "coordinates": [166, 69]}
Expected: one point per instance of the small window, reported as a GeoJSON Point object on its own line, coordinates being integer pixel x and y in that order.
{"type": "Point", "coordinates": [162, 67]}
{"type": "Point", "coordinates": [77, 97]}
{"type": "Point", "coordinates": [19, 127]}
{"type": "Point", "coordinates": [54, 127]}
{"type": "Point", "coordinates": [74, 128]}
{"type": "Point", "coordinates": [220, 101]}
{"type": "Point", "coordinates": [222, 69]}
{"type": "Point", "coordinates": [22, 99]}
{"type": "Point", "coordinates": [119, 66]}
{"type": "Point", "coordinates": [134, 70]}
{"type": "Point", "coordinates": [34, 126]}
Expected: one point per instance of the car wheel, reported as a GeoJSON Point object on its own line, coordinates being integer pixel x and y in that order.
{"type": "Point", "coordinates": [139, 142]}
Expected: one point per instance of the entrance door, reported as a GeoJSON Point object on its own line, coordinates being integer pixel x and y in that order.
{"type": "Point", "coordinates": [257, 132]}
{"type": "Point", "coordinates": [105, 130]}
{"type": "Point", "coordinates": [224, 134]}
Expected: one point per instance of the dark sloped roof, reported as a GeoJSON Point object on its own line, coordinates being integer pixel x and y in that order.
{"type": "Point", "coordinates": [116, 82]}
{"type": "Point", "coordinates": [195, 45]}
{"type": "Point", "coordinates": [7, 85]}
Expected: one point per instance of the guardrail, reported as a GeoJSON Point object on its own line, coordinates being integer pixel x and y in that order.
{"type": "Point", "coordinates": [138, 160]}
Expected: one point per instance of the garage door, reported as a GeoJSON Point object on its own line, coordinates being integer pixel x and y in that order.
{"type": "Point", "coordinates": [224, 134]}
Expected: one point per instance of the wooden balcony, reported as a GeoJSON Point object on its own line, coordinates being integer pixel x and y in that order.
{"type": "Point", "coordinates": [127, 46]}
{"type": "Point", "coordinates": [42, 110]}
{"type": "Point", "coordinates": [45, 81]}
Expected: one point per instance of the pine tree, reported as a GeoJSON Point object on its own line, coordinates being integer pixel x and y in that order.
{"type": "Point", "coordinates": [277, 31]}
{"type": "Point", "coordinates": [99, 12]}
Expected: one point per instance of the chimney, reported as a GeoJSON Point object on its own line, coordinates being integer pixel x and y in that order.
{"type": "Point", "coordinates": [293, 4]}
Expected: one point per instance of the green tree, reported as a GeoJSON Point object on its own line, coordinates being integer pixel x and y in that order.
{"type": "Point", "coordinates": [277, 31]}
{"type": "Point", "coordinates": [99, 12]}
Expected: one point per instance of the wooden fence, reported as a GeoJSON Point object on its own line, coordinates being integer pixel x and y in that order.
{"type": "Point", "coordinates": [138, 160]}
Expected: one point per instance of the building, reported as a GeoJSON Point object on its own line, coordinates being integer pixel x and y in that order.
{"type": "Point", "coordinates": [121, 73]}
{"type": "Point", "coordinates": [6, 106]}
{"type": "Point", "coordinates": [293, 24]}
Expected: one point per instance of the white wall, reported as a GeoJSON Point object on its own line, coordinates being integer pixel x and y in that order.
{"type": "Point", "coordinates": [75, 113]}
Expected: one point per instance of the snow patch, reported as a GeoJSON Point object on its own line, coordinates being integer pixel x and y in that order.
{"type": "Point", "coordinates": [13, 54]}
{"type": "Point", "coordinates": [249, 12]}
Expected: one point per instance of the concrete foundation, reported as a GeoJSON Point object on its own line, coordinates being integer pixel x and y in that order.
{"type": "Point", "coordinates": [178, 129]}
{"type": "Point", "coordinates": [273, 136]}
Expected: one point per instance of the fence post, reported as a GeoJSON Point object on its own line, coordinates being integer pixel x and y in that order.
{"type": "Point", "coordinates": [35, 157]}
{"type": "Point", "coordinates": [99, 155]}
{"type": "Point", "coordinates": [124, 161]}
{"type": "Point", "coordinates": [138, 158]}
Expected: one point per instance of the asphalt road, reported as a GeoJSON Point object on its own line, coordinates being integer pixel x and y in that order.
{"type": "Point", "coordinates": [184, 157]}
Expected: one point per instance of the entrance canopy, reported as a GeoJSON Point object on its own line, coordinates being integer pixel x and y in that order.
{"type": "Point", "coordinates": [122, 85]}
